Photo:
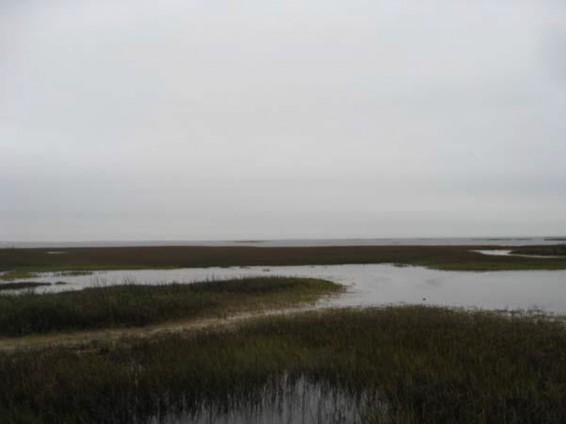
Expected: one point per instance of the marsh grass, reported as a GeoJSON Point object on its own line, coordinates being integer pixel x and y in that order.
{"type": "Point", "coordinates": [417, 364]}
{"type": "Point", "coordinates": [76, 273]}
{"type": "Point", "coordinates": [22, 285]}
{"type": "Point", "coordinates": [440, 257]}
{"type": "Point", "coordinates": [137, 305]}
{"type": "Point", "coordinates": [553, 250]}
{"type": "Point", "coordinates": [17, 275]}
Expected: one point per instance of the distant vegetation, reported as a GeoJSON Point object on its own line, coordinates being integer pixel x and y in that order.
{"type": "Point", "coordinates": [85, 259]}
{"type": "Point", "coordinates": [555, 250]}
{"type": "Point", "coordinates": [419, 365]}
{"type": "Point", "coordinates": [135, 305]}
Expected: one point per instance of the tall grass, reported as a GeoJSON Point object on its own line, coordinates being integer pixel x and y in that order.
{"type": "Point", "coordinates": [421, 365]}
{"type": "Point", "coordinates": [22, 285]}
{"type": "Point", "coordinates": [136, 305]}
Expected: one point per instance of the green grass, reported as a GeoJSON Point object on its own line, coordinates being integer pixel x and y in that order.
{"type": "Point", "coordinates": [135, 305]}
{"type": "Point", "coordinates": [17, 275]}
{"type": "Point", "coordinates": [427, 365]}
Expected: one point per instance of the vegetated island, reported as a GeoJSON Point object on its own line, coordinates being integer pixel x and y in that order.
{"type": "Point", "coordinates": [131, 305]}
{"type": "Point", "coordinates": [462, 258]}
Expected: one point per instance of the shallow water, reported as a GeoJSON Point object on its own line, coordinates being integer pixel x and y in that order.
{"type": "Point", "coordinates": [371, 285]}
{"type": "Point", "coordinates": [502, 252]}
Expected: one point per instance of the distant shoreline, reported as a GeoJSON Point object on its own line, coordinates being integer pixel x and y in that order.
{"type": "Point", "coordinates": [400, 241]}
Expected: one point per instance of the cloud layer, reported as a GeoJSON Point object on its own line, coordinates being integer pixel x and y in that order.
{"type": "Point", "coordinates": [261, 119]}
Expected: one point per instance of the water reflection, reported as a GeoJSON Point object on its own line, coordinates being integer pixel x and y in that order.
{"type": "Point", "coordinates": [284, 401]}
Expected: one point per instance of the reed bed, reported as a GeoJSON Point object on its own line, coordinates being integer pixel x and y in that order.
{"type": "Point", "coordinates": [17, 275]}
{"type": "Point", "coordinates": [138, 305]}
{"type": "Point", "coordinates": [22, 285]}
{"type": "Point", "coordinates": [410, 364]}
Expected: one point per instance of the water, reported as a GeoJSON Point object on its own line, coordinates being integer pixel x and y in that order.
{"type": "Point", "coordinates": [439, 241]}
{"type": "Point", "coordinates": [371, 285]}
{"type": "Point", "coordinates": [502, 252]}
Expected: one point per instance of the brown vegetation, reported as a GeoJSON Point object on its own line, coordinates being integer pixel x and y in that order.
{"type": "Point", "coordinates": [441, 257]}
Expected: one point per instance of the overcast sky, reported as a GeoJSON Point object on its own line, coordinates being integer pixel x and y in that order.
{"type": "Point", "coordinates": [182, 119]}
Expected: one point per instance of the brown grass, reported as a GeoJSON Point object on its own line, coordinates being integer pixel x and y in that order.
{"type": "Point", "coordinates": [440, 257]}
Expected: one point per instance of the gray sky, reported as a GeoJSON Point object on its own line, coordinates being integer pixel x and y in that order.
{"type": "Point", "coordinates": [181, 119]}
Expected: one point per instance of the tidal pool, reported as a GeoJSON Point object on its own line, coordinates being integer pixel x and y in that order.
{"type": "Point", "coordinates": [369, 285]}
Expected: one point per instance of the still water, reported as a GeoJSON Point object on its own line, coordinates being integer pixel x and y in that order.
{"type": "Point", "coordinates": [371, 285]}
{"type": "Point", "coordinates": [506, 252]}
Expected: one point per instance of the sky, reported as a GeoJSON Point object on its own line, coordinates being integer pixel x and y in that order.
{"type": "Point", "coordinates": [262, 119]}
